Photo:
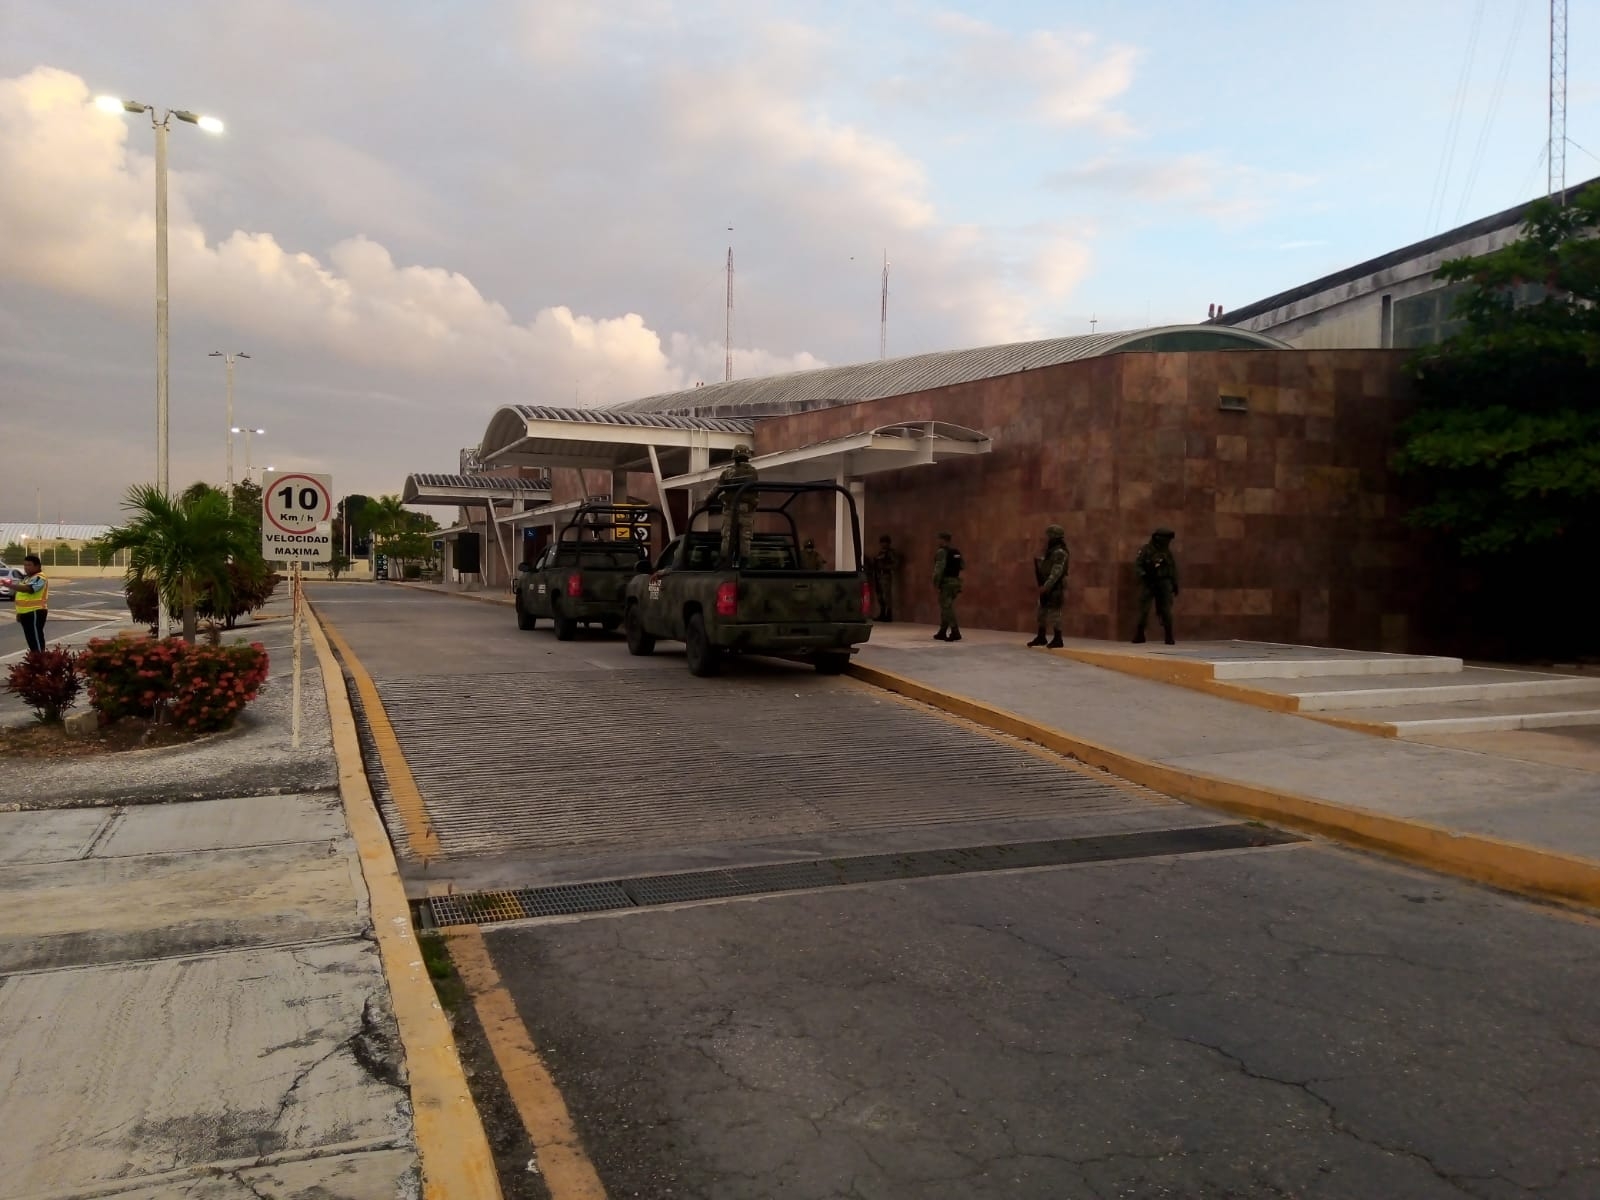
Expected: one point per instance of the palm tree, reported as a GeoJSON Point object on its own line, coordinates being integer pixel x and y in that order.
{"type": "Point", "coordinates": [182, 546]}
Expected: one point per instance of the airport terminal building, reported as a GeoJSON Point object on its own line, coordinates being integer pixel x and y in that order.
{"type": "Point", "coordinates": [1270, 463]}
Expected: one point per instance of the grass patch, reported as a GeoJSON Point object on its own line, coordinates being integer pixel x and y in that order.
{"type": "Point", "coordinates": [436, 957]}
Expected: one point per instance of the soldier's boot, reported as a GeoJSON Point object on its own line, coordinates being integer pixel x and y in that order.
{"type": "Point", "coordinates": [1170, 639]}
{"type": "Point", "coordinates": [1138, 635]}
{"type": "Point", "coordinates": [955, 634]}
{"type": "Point", "coordinates": [1038, 639]}
{"type": "Point", "coordinates": [942, 635]}
{"type": "Point", "coordinates": [1056, 643]}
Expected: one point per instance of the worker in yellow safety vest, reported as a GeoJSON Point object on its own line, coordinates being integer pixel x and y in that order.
{"type": "Point", "coordinates": [33, 602]}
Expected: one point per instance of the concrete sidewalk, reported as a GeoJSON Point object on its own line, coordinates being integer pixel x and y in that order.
{"type": "Point", "coordinates": [1219, 751]}
{"type": "Point", "coordinates": [194, 999]}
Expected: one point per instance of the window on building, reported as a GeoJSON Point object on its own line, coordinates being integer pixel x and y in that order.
{"type": "Point", "coordinates": [1428, 319]}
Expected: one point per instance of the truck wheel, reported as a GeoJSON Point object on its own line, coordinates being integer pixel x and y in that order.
{"type": "Point", "coordinates": [566, 627]}
{"type": "Point", "coordinates": [640, 643]}
{"type": "Point", "coordinates": [831, 664]}
{"type": "Point", "coordinates": [704, 659]}
{"type": "Point", "coordinates": [525, 619]}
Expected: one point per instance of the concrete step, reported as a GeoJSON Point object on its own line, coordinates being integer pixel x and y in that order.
{"type": "Point", "coordinates": [1480, 716]}
{"type": "Point", "coordinates": [1323, 693]}
{"type": "Point", "coordinates": [1331, 663]}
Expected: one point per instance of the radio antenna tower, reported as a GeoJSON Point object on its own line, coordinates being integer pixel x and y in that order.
{"type": "Point", "coordinates": [1557, 151]}
{"type": "Point", "coordinates": [727, 337]}
{"type": "Point", "coordinates": [883, 311]}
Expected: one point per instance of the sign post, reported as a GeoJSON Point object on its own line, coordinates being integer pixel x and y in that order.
{"type": "Point", "coordinates": [296, 527]}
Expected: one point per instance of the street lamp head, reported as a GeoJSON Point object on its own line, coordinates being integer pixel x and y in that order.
{"type": "Point", "coordinates": [113, 104]}
{"type": "Point", "coordinates": [209, 124]}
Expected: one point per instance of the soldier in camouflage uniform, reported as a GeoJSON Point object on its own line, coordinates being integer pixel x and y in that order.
{"type": "Point", "coordinates": [809, 558]}
{"type": "Point", "coordinates": [947, 564]}
{"type": "Point", "coordinates": [737, 472]}
{"type": "Point", "coordinates": [884, 564]}
{"type": "Point", "coordinates": [1158, 582]}
{"type": "Point", "coordinates": [1050, 573]}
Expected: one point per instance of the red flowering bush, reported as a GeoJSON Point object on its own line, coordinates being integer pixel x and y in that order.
{"type": "Point", "coordinates": [212, 684]}
{"type": "Point", "coordinates": [47, 680]}
{"type": "Point", "coordinates": [130, 675]}
{"type": "Point", "coordinates": [202, 688]}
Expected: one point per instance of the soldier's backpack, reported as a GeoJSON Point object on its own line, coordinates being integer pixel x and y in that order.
{"type": "Point", "coordinates": [953, 563]}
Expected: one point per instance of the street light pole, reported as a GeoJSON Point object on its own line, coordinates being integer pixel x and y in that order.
{"type": "Point", "coordinates": [227, 360]}
{"type": "Point", "coordinates": [162, 472]}
{"type": "Point", "coordinates": [159, 124]}
{"type": "Point", "coordinates": [247, 434]}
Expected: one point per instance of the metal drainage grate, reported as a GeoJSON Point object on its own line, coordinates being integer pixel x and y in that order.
{"type": "Point", "coordinates": [567, 899]}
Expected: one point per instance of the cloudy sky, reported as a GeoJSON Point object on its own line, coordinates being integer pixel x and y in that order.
{"type": "Point", "coordinates": [420, 211]}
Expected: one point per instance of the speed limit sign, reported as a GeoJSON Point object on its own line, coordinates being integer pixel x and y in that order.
{"type": "Point", "coordinates": [296, 517]}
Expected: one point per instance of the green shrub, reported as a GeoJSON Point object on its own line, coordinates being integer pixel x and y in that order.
{"type": "Point", "coordinates": [249, 588]}
{"type": "Point", "coordinates": [212, 684]}
{"type": "Point", "coordinates": [130, 675]}
{"type": "Point", "coordinates": [47, 680]}
{"type": "Point", "coordinates": [202, 688]}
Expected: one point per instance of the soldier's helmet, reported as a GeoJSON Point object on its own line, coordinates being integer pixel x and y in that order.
{"type": "Point", "coordinates": [1162, 535]}
{"type": "Point", "coordinates": [1055, 531]}
{"type": "Point", "coordinates": [741, 454]}
{"type": "Point", "coordinates": [810, 544]}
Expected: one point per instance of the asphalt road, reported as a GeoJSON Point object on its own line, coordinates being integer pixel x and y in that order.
{"type": "Point", "coordinates": [1289, 1021]}
{"type": "Point", "coordinates": [75, 604]}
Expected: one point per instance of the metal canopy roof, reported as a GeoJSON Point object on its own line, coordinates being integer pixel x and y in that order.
{"type": "Point", "coordinates": [887, 448]}
{"type": "Point", "coordinates": [471, 489]}
{"type": "Point", "coordinates": [522, 434]}
{"type": "Point", "coordinates": [830, 386]}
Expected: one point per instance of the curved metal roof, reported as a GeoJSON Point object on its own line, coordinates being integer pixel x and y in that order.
{"type": "Point", "coordinates": [640, 419]}
{"type": "Point", "coordinates": [830, 386]}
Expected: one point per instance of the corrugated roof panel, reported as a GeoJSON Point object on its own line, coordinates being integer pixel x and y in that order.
{"type": "Point", "coordinates": [49, 532]}
{"type": "Point", "coordinates": [898, 376]}
{"type": "Point", "coordinates": [482, 483]}
{"type": "Point", "coordinates": [640, 419]}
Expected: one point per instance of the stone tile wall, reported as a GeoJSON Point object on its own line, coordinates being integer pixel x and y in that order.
{"type": "Point", "coordinates": [1285, 513]}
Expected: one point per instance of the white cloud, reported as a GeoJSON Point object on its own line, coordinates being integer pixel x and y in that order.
{"type": "Point", "coordinates": [1059, 265]}
{"type": "Point", "coordinates": [1201, 183]}
{"type": "Point", "coordinates": [1060, 77]}
{"type": "Point", "coordinates": [76, 207]}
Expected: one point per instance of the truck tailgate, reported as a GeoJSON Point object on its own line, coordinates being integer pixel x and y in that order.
{"type": "Point", "coordinates": [821, 596]}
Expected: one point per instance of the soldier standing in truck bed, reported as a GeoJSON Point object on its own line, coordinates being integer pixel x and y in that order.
{"type": "Point", "coordinates": [737, 472]}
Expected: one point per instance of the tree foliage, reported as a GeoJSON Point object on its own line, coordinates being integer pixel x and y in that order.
{"type": "Point", "coordinates": [1505, 445]}
{"type": "Point", "coordinates": [398, 532]}
{"type": "Point", "coordinates": [356, 509]}
{"type": "Point", "coordinates": [185, 548]}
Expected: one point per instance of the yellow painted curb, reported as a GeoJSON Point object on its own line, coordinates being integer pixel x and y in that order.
{"type": "Point", "coordinates": [1201, 677]}
{"type": "Point", "coordinates": [563, 1163]}
{"type": "Point", "coordinates": [456, 1162]}
{"type": "Point", "coordinates": [403, 788]}
{"type": "Point", "coordinates": [1509, 865]}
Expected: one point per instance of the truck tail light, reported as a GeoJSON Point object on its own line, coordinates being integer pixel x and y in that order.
{"type": "Point", "coordinates": [574, 585]}
{"type": "Point", "coordinates": [866, 598]}
{"type": "Point", "coordinates": [728, 599]}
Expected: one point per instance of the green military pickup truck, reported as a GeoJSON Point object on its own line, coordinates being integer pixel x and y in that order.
{"type": "Point", "coordinates": [582, 577]}
{"type": "Point", "coordinates": [718, 603]}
